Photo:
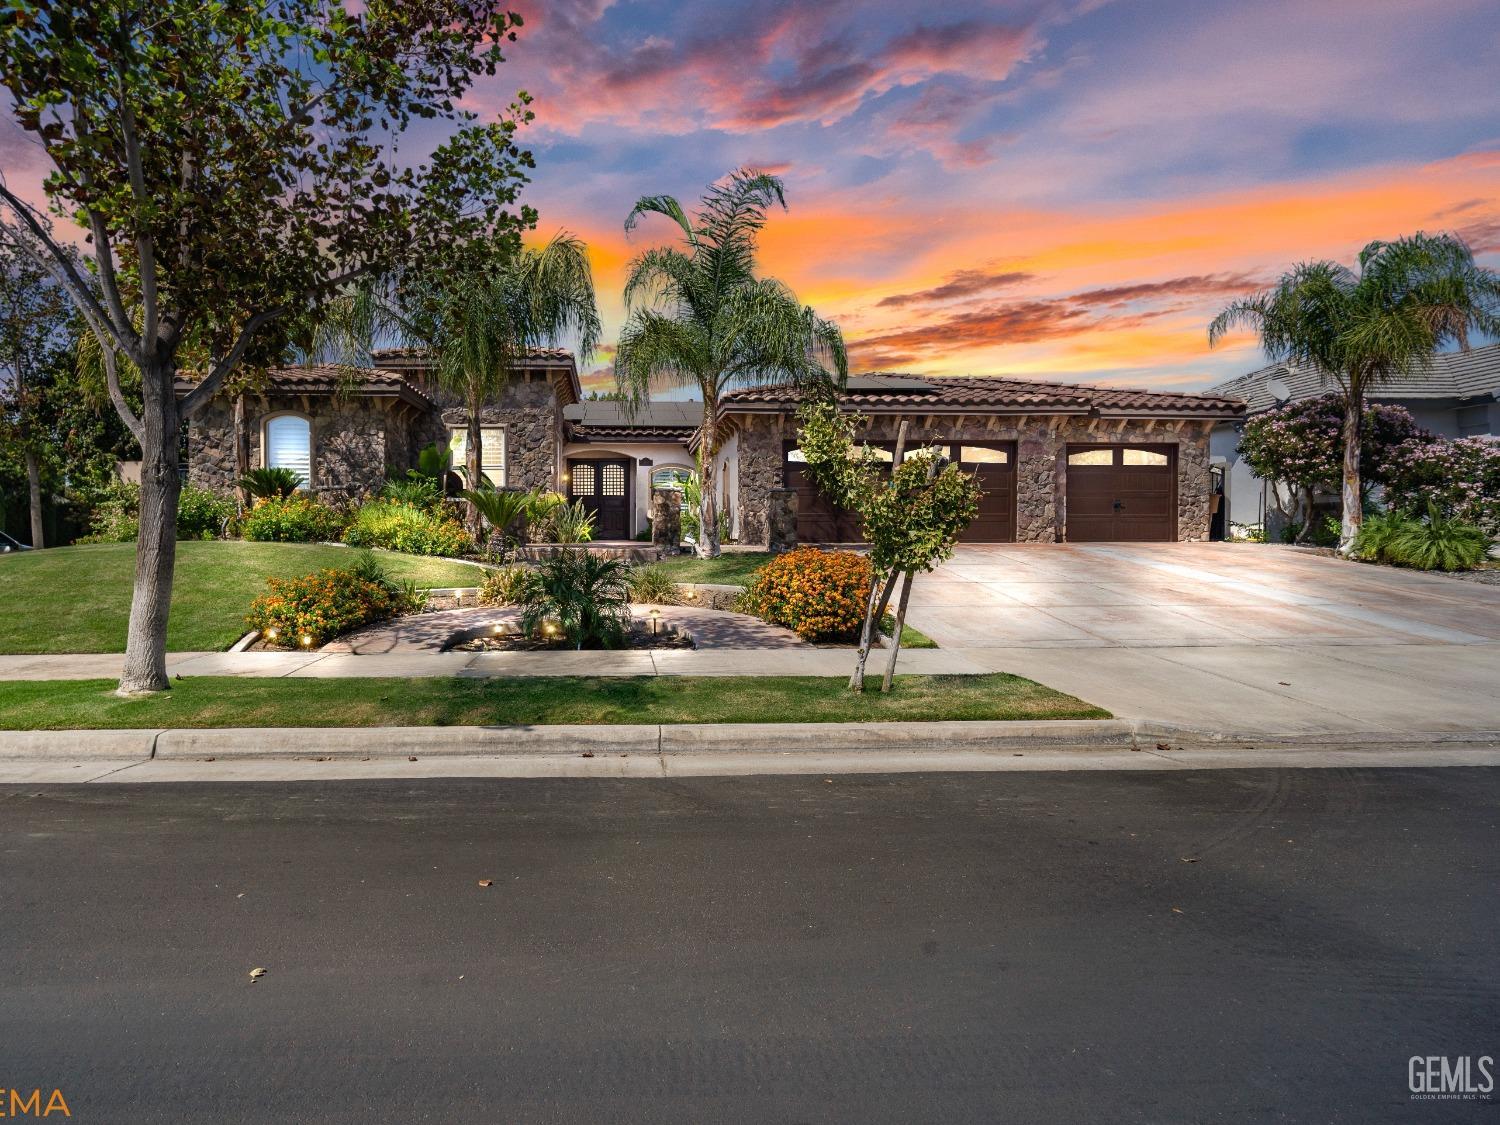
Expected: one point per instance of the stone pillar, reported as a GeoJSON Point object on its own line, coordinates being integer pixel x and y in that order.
{"type": "Point", "coordinates": [666, 518]}
{"type": "Point", "coordinates": [781, 520]}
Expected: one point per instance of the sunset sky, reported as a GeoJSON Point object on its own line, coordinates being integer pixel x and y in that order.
{"type": "Point", "coordinates": [1065, 189]}
{"type": "Point", "coordinates": [1059, 190]}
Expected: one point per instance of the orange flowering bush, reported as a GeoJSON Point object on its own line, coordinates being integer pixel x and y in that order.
{"type": "Point", "coordinates": [312, 610]}
{"type": "Point", "coordinates": [820, 595]}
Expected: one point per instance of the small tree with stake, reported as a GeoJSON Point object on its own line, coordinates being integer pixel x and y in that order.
{"type": "Point", "coordinates": [912, 521]}
{"type": "Point", "coordinates": [234, 168]}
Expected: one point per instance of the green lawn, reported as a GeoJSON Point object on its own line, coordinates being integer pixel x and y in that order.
{"type": "Point", "coordinates": [77, 599]}
{"type": "Point", "coordinates": [227, 701]}
{"type": "Point", "coordinates": [726, 570]}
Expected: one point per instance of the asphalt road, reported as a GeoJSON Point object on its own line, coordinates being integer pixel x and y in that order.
{"type": "Point", "coordinates": [1241, 946]}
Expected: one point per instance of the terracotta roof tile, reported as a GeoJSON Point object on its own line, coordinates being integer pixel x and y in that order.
{"type": "Point", "coordinates": [986, 393]}
{"type": "Point", "coordinates": [379, 354]}
{"type": "Point", "coordinates": [328, 378]}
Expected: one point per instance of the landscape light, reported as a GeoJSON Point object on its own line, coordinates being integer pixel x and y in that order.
{"type": "Point", "coordinates": [655, 617]}
{"type": "Point", "coordinates": [271, 634]}
{"type": "Point", "coordinates": [306, 641]}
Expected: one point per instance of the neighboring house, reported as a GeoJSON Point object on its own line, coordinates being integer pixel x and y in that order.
{"type": "Point", "coordinates": [1057, 462]}
{"type": "Point", "coordinates": [1458, 396]}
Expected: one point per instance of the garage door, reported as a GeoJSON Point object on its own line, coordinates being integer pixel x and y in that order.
{"type": "Point", "coordinates": [992, 463]}
{"type": "Point", "coordinates": [1121, 493]}
{"type": "Point", "coordinates": [994, 467]}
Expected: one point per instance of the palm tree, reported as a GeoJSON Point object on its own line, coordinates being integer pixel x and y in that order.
{"type": "Point", "coordinates": [479, 328]}
{"type": "Point", "coordinates": [699, 316]}
{"type": "Point", "coordinates": [1365, 327]}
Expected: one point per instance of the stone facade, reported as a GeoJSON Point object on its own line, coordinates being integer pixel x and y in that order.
{"type": "Point", "coordinates": [532, 417]}
{"type": "Point", "coordinates": [1041, 462]}
{"type": "Point", "coordinates": [781, 520]}
{"type": "Point", "coordinates": [355, 440]}
{"type": "Point", "coordinates": [666, 518]}
{"type": "Point", "coordinates": [358, 439]}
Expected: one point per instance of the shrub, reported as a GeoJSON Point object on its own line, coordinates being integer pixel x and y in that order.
{"type": "Point", "coordinates": [820, 595]}
{"type": "Point", "coordinates": [310, 611]}
{"type": "Point", "coordinates": [551, 519]}
{"type": "Point", "coordinates": [273, 484]}
{"type": "Point", "coordinates": [1376, 534]}
{"type": "Point", "coordinates": [584, 596]}
{"type": "Point", "coordinates": [1461, 477]}
{"type": "Point", "coordinates": [414, 489]}
{"type": "Point", "coordinates": [292, 519]}
{"type": "Point", "coordinates": [506, 586]}
{"type": "Point", "coordinates": [652, 584]}
{"type": "Point", "coordinates": [398, 526]}
{"type": "Point", "coordinates": [1438, 543]}
{"type": "Point", "coordinates": [203, 513]}
{"type": "Point", "coordinates": [117, 515]}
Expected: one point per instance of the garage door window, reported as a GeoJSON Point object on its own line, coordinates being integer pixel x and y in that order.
{"type": "Point", "coordinates": [983, 455]}
{"type": "Point", "coordinates": [1144, 457]}
{"type": "Point", "coordinates": [1092, 457]}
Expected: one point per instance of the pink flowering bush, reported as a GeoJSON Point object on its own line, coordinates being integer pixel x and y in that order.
{"type": "Point", "coordinates": [1461, 478]}
{"type": "Point", "coordinates": [1302, 443]}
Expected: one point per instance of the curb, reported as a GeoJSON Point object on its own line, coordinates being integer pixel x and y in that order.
{"type": "Point", "coordinates": [806, 739]}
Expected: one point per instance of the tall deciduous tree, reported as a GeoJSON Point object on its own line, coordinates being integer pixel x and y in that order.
{"type": "Point", "coordinates": [1367, 326]}
{"type": "Point", "coordinates": [699, 316]}
{"type": "Point", "coordinates": [234, 166]}
{"type": "Point", "coordinates": [34, 316]}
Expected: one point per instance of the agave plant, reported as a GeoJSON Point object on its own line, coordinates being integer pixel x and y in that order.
{"type": "Point", "coordinates": [270, 484]}
{"type": "Point", "coordinates": [584, 597]}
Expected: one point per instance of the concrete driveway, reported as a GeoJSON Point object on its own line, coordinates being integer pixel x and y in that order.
{"type": "Point", "coordinates": [1243, 637]}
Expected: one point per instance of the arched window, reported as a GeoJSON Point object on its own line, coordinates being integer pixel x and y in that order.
{"type": "Point", "coordinates": [289, 445]}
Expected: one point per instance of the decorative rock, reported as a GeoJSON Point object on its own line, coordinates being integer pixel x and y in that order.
{"type": "Point", "coordinates": [781, 520]}
{"type": "Point", "coordinates": [666, 518]}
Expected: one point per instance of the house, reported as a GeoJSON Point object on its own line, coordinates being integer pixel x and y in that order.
{"type": "Point", "coordinates": [1457, 396]}
{"type": "Point", "coordinates": [1057, 462]}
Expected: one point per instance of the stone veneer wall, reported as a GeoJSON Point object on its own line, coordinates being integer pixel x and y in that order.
{"type": "Point", "coordinates": [1041, 469]}
{"type": "Point", "coordinates": [354, 440]}
{"type": "Point", "coordinates": [532, 417]}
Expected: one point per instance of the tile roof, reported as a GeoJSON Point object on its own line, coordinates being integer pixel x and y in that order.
{"type": "Point", "coordinates": [330, 378]}
{"type": "Point", "coordinates": [378, 354]}
{"type": "Point", "coordinates": [994, 394]}
{"type": "Point", "coordinates": [609, 420]}
{"type": "Point", "coordinates": [1474, 373]}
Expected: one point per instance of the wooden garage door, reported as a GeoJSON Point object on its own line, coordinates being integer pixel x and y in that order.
{"type": "Point", "coordinates": [992, 463]}
{"type": "Point", "coordinates": [819, 520]}
{"type": "Point", "coordinates": [1122, 493]}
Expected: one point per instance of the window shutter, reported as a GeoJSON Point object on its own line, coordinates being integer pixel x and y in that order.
{"type": "Point", "coordinates": [289, 446]}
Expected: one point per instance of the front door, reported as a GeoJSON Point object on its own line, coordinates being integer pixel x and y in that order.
{"type": "Point", "coordinates": [603, 487]}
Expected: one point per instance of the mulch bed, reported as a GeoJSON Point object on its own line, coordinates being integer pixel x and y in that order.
{"type": "Point", "coordinates": [639, 636]}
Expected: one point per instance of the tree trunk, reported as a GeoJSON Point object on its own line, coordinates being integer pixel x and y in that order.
{"type": "Point", "coordinates": [156, 546]}
{"type": "Point", "coordinates": [890, 662]}
{"type": "Point", "coordinates": [473, 460]}
{"type": "Point", "coordinates": [1353, 514]}
{"type": "Point", "coordinates": [241, 450]}
{"type": "Point", "coordinates": [708, 505]}
{"type": "Point", "coordinates": [34, 487]}
{"type": "Point", "coordinates": [1304, 512]}
{"type": "Point", "coordinates": [867, 630]}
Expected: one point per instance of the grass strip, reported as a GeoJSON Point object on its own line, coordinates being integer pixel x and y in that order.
{"type": "Point", "coordinates": [229, 701]}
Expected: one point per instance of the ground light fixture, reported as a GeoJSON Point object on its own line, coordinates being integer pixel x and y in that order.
{"type": "Point", "coordinates": [271, 634]}
{"type": "Point", "coordinates": [655, 620]}
{"type": "Point", "coordinates": [306, 640]}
